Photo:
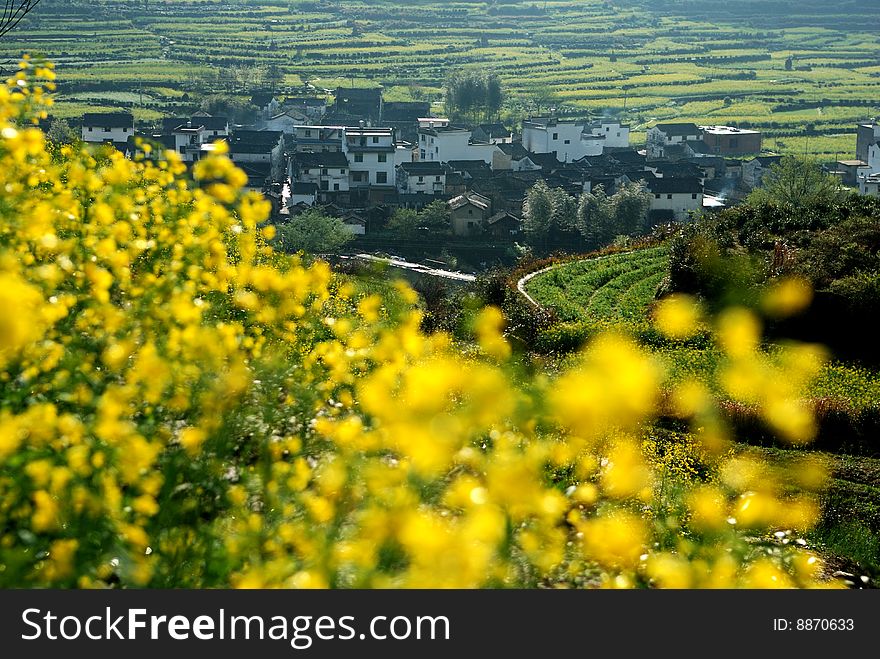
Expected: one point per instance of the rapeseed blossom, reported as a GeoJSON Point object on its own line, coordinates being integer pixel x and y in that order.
{"type": "Point", "coordinates": [180, 405]}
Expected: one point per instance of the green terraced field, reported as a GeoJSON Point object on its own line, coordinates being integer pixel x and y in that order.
{"type": "Point", "coordinates": [646, 61]}
{"type": "Point", "coordinates": [617, 287]}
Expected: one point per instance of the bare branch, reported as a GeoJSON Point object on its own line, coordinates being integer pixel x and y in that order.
{"type": "Point", "coordinates": [13, 12]}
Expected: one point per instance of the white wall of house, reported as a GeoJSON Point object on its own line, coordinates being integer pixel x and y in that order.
{"type": "Point", "coordinates": [319, 139]}
{"type": "Point", "coordinates": [106, 133]}
{"type": "Point", "coordinates": [454, 144]}
{"type": "Point", "coordinates": [403, 153]}
{"type": "Point", "coordinates": [308, 199]}
{"type": "Point", "coordinates": [616, 134]}
{"type": "Point", "coordinates": [371, 156]}
{"type": "Point", "coordinates": [328, 179]}
{"type": "Point", "coordinates": [870, 186]}
{"type": "Point", "coordinates": [286, 122]}
{"type": "Point", "coordinates": [188, 143]}
{"type": "Point", "coordinates": [524, 165]}
{"type": "Point", "coordinates": [679, 203]}
{"type": "Point", "coordinates": [371, 168]}
{"type": "Point", "coordinates": [874, 159]}
{"type": "Point", "coordinates": [427, 183]}
{"type": "Point", "coordinates": [592, 145]}
{"type": "Point", "coordinates": [563, 137]}
{"type": "Point", "coordinates": [656, 141]}
{"type": "Point", "coordinates": [446, 145]}
{"type": "Point", "coordinates": [251, 157]}
{"type": "Point", "coordinates": [357, 229]}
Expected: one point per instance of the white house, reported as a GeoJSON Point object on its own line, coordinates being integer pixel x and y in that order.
{"type": "Point", "coordinates": [433, 122]}
{"type": "Point", "coordinates": [214, 126]}
{"type": "Point", "coordinates": [371, 153]}
{"type": "Point", "coordinates": [107, 127]}
{"type": "Point", "coordinates": [469, 212]}
{"type": "Point", "coordinates": [451, 143]}
{"type": "Point", "coordinates": [188, 140]}
{"type": "Point", "coordinates": [495, 133]}
{"type": "Point", "coordinates": [423, 176]}
{"type": "Point", "coordinates": [354, 223]}
{"type": "Point", "coordinates": [267, 104]}
{"type": "Point", "coordinates": [754, 170]}
{"type": "Point", "coordinates": [569, 140]}
{"type": "Point", "coordinates": [866, 135]}
{"type": "Point", "coordinates": [616, 134]}
{"type": "Point", "coordinates": [258, 146]}
{"type": "Point", "coordinates": [516, 158]}
{"type": "Point", "coordinates": [313, 108]}
{"type": "Point", "coordinates": [328, 170]}
{"type": "Point", "coordinates": [678, 196]}
{"type": "Point", "coordinates": [663, 135]}
{"type": "Point", "coordinates": [318, 139]}
{"type": "Point", "coordinates": [870, 185]}
{"type": "Point", "coordinates": [873, 159]}
{"type": "Point", "coordinates": [287, 121]}
{"type": "Point", "coordinates": [403, 152]}
{"type": "Point", "coordinates": [303, 193]}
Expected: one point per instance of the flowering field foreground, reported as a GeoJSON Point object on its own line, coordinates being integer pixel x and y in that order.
{"type": "Point", "coordinates": [180, 406]}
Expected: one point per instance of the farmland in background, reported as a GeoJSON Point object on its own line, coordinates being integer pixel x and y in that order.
{"type": "Point", "coordinates": [803, 72]}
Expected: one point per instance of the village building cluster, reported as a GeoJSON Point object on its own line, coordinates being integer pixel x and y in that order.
{"type": "Point", "coordinates": [360, 158]}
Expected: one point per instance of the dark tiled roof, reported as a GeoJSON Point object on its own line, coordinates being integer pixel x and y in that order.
{"type": "Point", "coordinates": [474, 198]}
{"type": "Point", "coordinates": [359, 93]}
{"type": "Point", "coordinates": [546, 161]}
{"type": "Point", "coordinates": [303, 188]}
{"type": "Point", "coordinates": [257, 136]}
{"type": "Point", "coordinates": [767, 160]}
{"type": "Point", "coordinates": [108, 119]}
{"type": "Point", "coordinates": [422, 167]}
{"type": "Point", "coordinates": [335, 160]}
{"type": "Point", "coordinates": [675, 186]}
{"type": "Point", "coordinates": [212, 123]}
{"type": "Point", "coordinates": [679, 130]}
{"type": "Point", "coordinates": [262, 99]}
{"type": "Point", "coordinates": [470, 166]}
{"type": "Point", "coordinates": [498, 217]}
{"type": "Point", "coordinates": [515, 150]}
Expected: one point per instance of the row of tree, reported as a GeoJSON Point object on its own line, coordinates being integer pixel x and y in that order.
{"type": "Point", "coordinates": [474, 94]}
{"type": "Point", "coordinates": [551, 215]}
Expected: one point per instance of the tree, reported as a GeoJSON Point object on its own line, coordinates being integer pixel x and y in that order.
{"type": "Point", "coordinates": [60, 132]}
{"type": "Point", "coordinates": [798, 183]}
{"type": "Point", "coordinates": [404, 222]}
{"type": "Point", "coordinates": [537, 212]}
{"type": "Point", "coordinates": [13, 12]}
{"type": "Point", "coordinates": [315, 233]}
{"type": "Point", "coordinates": [563, 213]}
{"type": "Point", "coordinates": [234, 109]}
{"type": "Point", "coordinates": [631, 205]}
{"type": "Point", "coordinates": [544, 98]}
{"type": "Point", "coordinates": [274, 76]}
{"type": "Point", "coordinates": [436, 217]}
{"type": "Point", "coordinates": [473, 94]}
{"type": "Point", "coordinates": [494, 95]}
{"type": "Point", "coordinates": [595, 217]}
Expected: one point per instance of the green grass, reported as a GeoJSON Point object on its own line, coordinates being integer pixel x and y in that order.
{"type": "Point", "coordinates": [850, 523]}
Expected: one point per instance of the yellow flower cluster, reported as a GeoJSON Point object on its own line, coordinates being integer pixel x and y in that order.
{"type": "Point", "coordinates": [182, 406]}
